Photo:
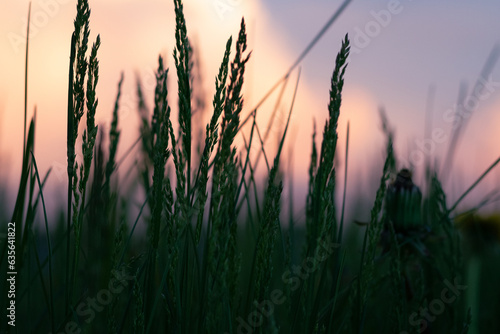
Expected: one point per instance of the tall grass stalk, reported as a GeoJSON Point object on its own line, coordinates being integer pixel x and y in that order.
{"type": "Point", "coordinates": [182, 58]}
{"type": "Point", "coordinates": [321, 221]}
{"type": "Point", "coordinates": [270, 226]}
{"type": "Point", "coordinates": [26, 74]}
{"type": "Point", "coordinates": [301, 57]}
{"type": "Point", "coordinates": [371, 236]}
{"type": "Point", "coordinates": [223, 262]}
{"type": "Point", "coordinates": [88, 142]}
{"type": "Point", "coordinates": [160, 135]}
{"type": "Point", "coordinates": [77, 70]}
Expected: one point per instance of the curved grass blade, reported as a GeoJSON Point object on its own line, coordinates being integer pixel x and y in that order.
{"type": "Point", "coordinates": [52, 315]}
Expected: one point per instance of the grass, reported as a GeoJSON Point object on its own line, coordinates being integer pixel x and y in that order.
{"type": "Point", "coordinates": [217, 255]}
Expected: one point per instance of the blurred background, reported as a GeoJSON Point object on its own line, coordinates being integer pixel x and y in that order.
{"type": "Point", "coordinates": [407, 57]}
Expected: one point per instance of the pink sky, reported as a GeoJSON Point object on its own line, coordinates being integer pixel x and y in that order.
{"type": "Point", "coordinates": [133, 33]}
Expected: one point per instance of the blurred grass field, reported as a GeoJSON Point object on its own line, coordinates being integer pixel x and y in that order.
{"type": "Point", "coordinates": [211, 248]}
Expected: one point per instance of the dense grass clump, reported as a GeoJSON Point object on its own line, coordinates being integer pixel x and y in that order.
{"type": "Point", "coordinates": [215, 254]}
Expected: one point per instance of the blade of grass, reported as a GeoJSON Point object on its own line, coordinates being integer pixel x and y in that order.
{"type": "Point", "coordinates": [127, 243]}
{"type": "Point", "coordinates": [30, 217]}
{"type": "Point", "coordinates": [486, 172]}
{"type": "Point", "coordinates": [429, 113]}
{"type": "Point", "coordinates": [301, 57]}
{"type": "Point", "coordinates": [341, 225]}
{"type": "Point", "coordinates": [270, 124]}
{"type": "Point", "coordinates": [17, 215]}
{"type": "Point", "coordinates": [372, 233]}
{"type": "Point", "coordinates": [52, 315]}
{"type": "Point", "coordinates": [26, 74]}
{"type": "Point", "coordinates": [158, 294]}
{"type": "Point", "coordinates": [455, 135]}
{"type": "Point", "coordinates": [464, 110]}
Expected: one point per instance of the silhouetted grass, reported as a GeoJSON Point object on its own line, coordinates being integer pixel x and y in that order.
{"type": "Point", "coordinates": [216, 255]}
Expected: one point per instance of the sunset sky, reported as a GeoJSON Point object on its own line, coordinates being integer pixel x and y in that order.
{"type": "Point", "coordinates": [399, 49]}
